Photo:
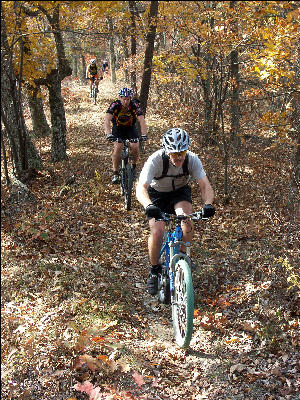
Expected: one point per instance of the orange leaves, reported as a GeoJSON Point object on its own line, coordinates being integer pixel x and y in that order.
{"type": "Point", "coordinates": [97, 393]}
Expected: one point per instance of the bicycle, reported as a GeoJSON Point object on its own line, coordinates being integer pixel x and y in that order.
{"type": "Point", "coordinates": [94, 91]}
{"type": "Point", "coordinates": [175, 284]}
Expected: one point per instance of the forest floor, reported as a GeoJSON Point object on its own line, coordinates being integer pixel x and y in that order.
{"type": "Point", "coordinates": [77, 322]}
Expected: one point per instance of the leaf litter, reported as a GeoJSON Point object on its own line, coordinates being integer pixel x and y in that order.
{"type": "Point", "coordinates": [76, 320]}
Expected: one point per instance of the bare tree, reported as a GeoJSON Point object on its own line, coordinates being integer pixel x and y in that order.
{"type": "Point", "coordinates": [24, 155]}
{"type": "Point", "coordinates": [146, 79]}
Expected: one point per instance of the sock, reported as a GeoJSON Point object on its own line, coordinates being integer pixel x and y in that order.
{"type": "Point", "coordinates": [155, 269]}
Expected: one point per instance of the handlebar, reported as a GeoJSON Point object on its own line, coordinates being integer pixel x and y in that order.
{"type": "Point", "coordinates": [196, 216]}
{"type": "Point", "coordinates": [92, 78]}
{"type": "Point", "coordinates": [119, 140]}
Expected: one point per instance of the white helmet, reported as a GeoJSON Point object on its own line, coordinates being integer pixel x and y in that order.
{"type": "Point", "coordinates": [175, 140]}
{"type": "Point", "coordinates": [93, 61]}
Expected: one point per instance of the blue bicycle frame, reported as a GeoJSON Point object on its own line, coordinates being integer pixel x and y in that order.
{"type": "Point", "coordinates": [171, 249]}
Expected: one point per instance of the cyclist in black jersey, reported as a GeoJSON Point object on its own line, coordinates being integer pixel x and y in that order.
{"type": "Point", "coordinates": [93, 74]}
{"type": "Point", "coordinates": [123, 114]}
{"type": "Point", "coordinates": [105, 66]}
{"type": "Point", "coordinates": [163, 187]}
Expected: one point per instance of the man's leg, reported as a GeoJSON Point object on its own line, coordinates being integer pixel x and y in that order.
{"type": "Point", "coordinates": [157, 229]}
{"type": "Point", "coordinates": [134, 147]}
{"type": "Point", "coordinates": [134, 151]}
{"type": "Point", "coordinates": [116, 161]}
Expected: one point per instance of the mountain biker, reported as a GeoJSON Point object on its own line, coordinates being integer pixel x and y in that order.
{"type": "Point", "coordinates": [163, 187]}
{"type": "Point", "coordinates": [105, 66]}
{"type": "Point", "coordinates": [123, 114]}
{"type": "Point", "coordinates": [93, 74]}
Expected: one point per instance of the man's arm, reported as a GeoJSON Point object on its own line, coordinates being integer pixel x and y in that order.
{"type": "Point", "coordinates": [107, 123]}
{"type": "Point", "coordinates": [142, 194]}
{"type": "Point", "coordinates": [87, 71]}
{"type": "Point", "coordinates": [207, 191]}
{"type": "Point", "coordinates": [142, 122]}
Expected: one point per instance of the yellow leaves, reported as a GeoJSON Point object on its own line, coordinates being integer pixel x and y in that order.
{"type": "Point", "coordinates": [233, 340]}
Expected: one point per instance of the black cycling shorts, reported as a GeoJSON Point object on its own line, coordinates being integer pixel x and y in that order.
{"type": "Point", "coordinates": [167, 200]}
{"type": "Point", "coordinates": [129, 132]}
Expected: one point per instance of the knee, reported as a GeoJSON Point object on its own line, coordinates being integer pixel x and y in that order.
{"type": "Point", "coordinates": [187, 226]}
{"type": "Point", "coordinates": [157, 233]}
{"type": "Point", "coordinates": [135, 148]}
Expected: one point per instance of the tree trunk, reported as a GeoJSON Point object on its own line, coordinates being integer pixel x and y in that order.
{"type": "Point", "coordinates": [3, 148]}
{"type": "Point", "coordinates": [146, 79]}
{"type": "Point", "coordinates": [75, 65]}
{"type": "Point", "coordinates": [126, 57]}
{"type": "Point", "coordinates": [294, 195]}
{"type": "Point", "coordinates": [58, 120]}
{"type": "Point", "coordinates": [24, 154]}
{"type": "Point", "coordinates": [83, 72]}
{"type": "Point", "coordinates": [132, 7]}
{"type": "Point", "coordinates": [112, 50]}
{"type": "Point", "coordinates": [208, 110]}
{"type": "Point", "coordinates": [235, 89]}
{"type": "Point", "coordinates": [39, 122]}
{"type": "Point", "coordinates": [53, 83]}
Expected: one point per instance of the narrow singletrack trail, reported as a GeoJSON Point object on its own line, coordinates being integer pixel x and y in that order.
{"type": "Point", "coordinates": [177, 372]}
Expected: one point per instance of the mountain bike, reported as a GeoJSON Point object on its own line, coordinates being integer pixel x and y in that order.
{"type": "Point", "coordinates": [175, 284]}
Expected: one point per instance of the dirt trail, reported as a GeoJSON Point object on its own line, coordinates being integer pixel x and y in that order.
{"type": "Point", "coordinates": [178, 374]}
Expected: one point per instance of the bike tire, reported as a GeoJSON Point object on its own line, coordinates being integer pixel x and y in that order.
{"type": "Point", "coordinates": [183, 304]}
{"type": "Point", "coordinates": [122, 181]}
{"type": "Point", "coordinates": [128, 186]}
{"type": "Point", "coordinates": [94, 95]}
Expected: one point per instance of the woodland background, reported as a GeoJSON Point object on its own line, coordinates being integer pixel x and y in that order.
{"type": "Point", "coordinates": [76, 321]}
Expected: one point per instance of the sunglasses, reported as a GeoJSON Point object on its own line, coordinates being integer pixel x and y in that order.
{"type": "Point", "coordinates": [179, 153]}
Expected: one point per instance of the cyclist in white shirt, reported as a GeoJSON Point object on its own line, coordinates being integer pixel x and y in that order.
{"type": "Point", "coordinates": [163, 186]}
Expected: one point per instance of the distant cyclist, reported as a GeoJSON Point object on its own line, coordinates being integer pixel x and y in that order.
{"type": "Point", "coordinates": [163, 187]}
{"type": "Point", "coordinates": [123, 114]}
{"type": "Point", "coordinates": [105, 66]}
{"type": "Point", "coordinates": [93, 74]}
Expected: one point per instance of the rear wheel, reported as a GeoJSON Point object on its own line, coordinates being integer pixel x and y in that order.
{"type": "Point", "coordinates": [183, 305]}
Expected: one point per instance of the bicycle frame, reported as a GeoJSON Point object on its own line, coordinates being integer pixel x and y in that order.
{"type": "Point", "coordinates": [171, 247]}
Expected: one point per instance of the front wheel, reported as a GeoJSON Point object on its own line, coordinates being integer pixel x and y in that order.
{"type": "Point", "coordinates": [183, 304]}
{"type": "Point", "coordinates": [128, 186]}
{"type": "Point", "coordinates": [94, 95]}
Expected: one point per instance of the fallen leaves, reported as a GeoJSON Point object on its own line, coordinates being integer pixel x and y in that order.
{"type": "Point", "coordinates": [60, 291]}
{"type": "Point", "coordinates": [138, 378]}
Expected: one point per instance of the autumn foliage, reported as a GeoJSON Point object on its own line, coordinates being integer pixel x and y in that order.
{"type": "Point", "coordinates": [76, 320]}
